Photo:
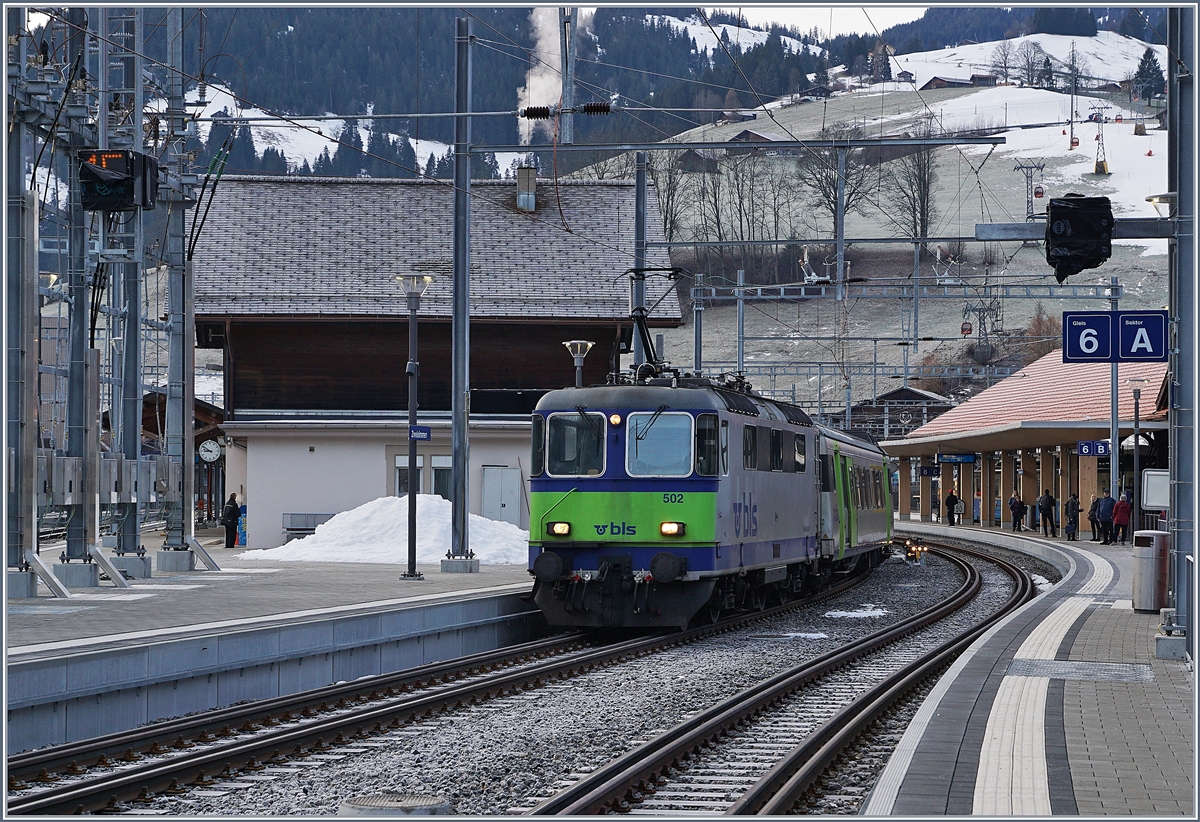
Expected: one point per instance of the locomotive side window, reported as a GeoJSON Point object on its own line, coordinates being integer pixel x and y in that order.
{"type": "Point", "coordinates": [750, 448]}
{"type": "Point", "coordinates": [776, 450]}
{"type": "Point", "coordinates": [538, 460]}
{"type": "Point", "coordinates": [724, 448]}
{"type": "Point", "coordinates": [801, 453]}
{"type": "Point", "coordinates": [575, 444]}
{"type": "Point", "coordinates": [659, 445]}
{"type": "Point", "coordinates": [707, 445]}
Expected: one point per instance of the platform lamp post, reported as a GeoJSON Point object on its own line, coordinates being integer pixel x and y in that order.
{"type": "Point", "coordinates": [579, 349]}
{"type": "Point", "coordinates": [414, 286]}
{"type": "Point", "coordinates": [1135, 487]}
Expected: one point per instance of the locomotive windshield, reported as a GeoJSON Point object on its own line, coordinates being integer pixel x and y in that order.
{"type": "Point", "coordinates": [575, 444]}
{"type": "Point", "coordinates": [659, 445]}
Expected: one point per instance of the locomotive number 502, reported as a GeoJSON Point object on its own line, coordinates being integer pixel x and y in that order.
{"type": "Point", "coordinates": [672, 498]}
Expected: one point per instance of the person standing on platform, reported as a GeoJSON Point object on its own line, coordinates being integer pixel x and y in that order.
{"type": "Point", "coordinates": [1094, 519]}
{"type": "Point", "coordinates": [230, 515]}
{"type": "Point", "coordinates": [1014, 508]}
{"type": "Point", "coordinates": [1122, 511]}
{"type": "Point", "coordinates": [1071, 512]}
{"type": "Point", "coordinates": [951, 507]}
{"type": "Point", "coordinates": [1104, 513]}
{"type": "Point", "coordinates": [1045, 505]}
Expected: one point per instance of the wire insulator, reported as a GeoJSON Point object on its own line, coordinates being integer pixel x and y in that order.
{"type": "Point", "coordinates": [536, 113]}
{"type": "Point", "coordinates": [597, 108]}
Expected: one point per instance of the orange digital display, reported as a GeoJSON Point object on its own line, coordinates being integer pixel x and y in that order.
{"type": "Point", "coordinates": [105, 159]}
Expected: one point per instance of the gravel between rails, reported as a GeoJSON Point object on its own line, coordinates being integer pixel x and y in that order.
{"type": "Point", "coordinates": [497, 756]}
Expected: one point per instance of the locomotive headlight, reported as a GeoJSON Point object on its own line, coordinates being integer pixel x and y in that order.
{"type": "Point", "coordinates": [558, 529]}
{"type": "Point", "coordinates": [671, 529]}
{"type": "Point", "coordinates": [614, 419]}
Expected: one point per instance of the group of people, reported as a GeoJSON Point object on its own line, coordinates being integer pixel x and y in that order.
{"type": "Point", "coordinates": [1108, 518]}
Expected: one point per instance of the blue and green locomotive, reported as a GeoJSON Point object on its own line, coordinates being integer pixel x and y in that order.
{"type": "Point", "coordinates": [677, 498]}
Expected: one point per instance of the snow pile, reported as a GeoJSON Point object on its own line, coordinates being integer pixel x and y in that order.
{"type": "Point", "coordinates": [866, 611]}
{"type": "Point", "coordinates": [378, 532]}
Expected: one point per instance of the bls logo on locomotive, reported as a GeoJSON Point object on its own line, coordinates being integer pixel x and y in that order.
{"type": "Point", "coordinates": [616, 529]}
{"type": "Point", "coordinates": [745, 517]}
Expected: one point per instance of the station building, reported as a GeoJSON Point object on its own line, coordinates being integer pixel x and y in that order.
{"type": "Point", "coordinates": [295, 284]}
{"type": "Point", "coordinates": [1021, 435]}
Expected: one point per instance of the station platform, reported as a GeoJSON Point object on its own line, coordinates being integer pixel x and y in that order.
{"type": "Point", "coordinates": [1062, 708]}
{"type": "Point", "coordinates": [107, 659]}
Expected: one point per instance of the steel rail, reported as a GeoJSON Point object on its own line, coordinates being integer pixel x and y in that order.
{"type": "Point", "coordinates": [301, 738]}
{"type": "Point", "coordinates": [784, 785]}
{"type": "Point", "coordinates": [605, 788]}
{"type": "Point", "coordinates": [59, 758]}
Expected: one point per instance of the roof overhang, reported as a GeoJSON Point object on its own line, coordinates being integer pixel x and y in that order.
{"type": "Point", "coordinates": [1013, 437]}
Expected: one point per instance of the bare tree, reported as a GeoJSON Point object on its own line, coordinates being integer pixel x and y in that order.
{"type": "Point", "coordinates": [669, 184]}
{"type": "Point", "coordinates": [912, 181]}
{"type": "Point", "coordinates": [1029, 62]}
{"type": "Point", "coordinates": [1077, 68]}
{"type": "Point", "coordinates": [1004, 59]}
{"type": "Point", "coordinates": [818, 171]}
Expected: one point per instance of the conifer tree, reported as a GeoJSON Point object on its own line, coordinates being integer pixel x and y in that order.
{"type": "Point", "coordinates": [1148, 81]}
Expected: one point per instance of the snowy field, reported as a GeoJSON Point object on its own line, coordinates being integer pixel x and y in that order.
{"type": "Point", "coordinates": [377, 531]}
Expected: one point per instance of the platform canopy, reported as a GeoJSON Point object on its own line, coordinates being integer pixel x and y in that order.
{"type": "Point", "coordinates": [1046, 404]}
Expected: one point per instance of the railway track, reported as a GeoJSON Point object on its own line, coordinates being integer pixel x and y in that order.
{"type": "Point", "coordinates": [761, 750]}
{"type": "Point", "coordinates": [174, 756]}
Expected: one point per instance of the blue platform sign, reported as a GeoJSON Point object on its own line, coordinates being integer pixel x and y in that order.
{"type": "Point", "coordinates": [1093, 448]}
{"type": "Point", "coordinates": [1142, 336]}
{"type": "Point", "coordinates": [1087, 336]}
{"type": "Point", "coordinates": [420, 432]}
{"type": "Point", "coordinates": [929, 471]}
{"type": "Point", "coordinates": [1115, 336]}
{"type": "Point", "coordinates": [956, 457]}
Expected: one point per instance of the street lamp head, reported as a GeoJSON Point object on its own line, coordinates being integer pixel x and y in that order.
{"type": "Point", "coordinates": [1164, 204]}
{"type": "Point", "coordinates": [414, 284]}
{"type": "Point", "coordinates": [579, 348]}
{"type": "Point", "coordinates": [1136, 384]}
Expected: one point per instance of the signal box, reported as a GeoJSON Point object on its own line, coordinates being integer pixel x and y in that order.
{"type": "Point", "coordinates": [118, 180]}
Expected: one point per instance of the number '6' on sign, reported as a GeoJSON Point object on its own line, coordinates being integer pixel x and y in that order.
{"type": "Point", "coordinates": [1087, 336]}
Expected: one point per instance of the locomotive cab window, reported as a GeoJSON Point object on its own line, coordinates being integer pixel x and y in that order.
{"type": "Point", "coordinates": [659, 445]}
{"type": "Point", "coordinates": [538, 459]}
{"type": "Point", "coordinates": [750, 448]}
{"type": "Point", "coordinates": [801, 453]}
{"type": "Point", "coordinates": [707, 445]}
{"type": "Point", "coordinates": [575, 444]}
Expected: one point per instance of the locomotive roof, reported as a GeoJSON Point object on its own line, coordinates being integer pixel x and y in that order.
{"type": "Point", "coordinates": [696, 395]}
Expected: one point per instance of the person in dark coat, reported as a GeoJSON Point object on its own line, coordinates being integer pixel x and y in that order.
{"type": "Point", "coordinates": [951, 507]}
{"type": "Point", "coordinates": [1014, 507]}
{"type": "Point", "coordinates": [1122, 512]}
{"type": "Point", "coordinates": [230, 515]}
{"type": "Point", "coordinates": [1071, 512]}
{"type": "Point", "coordinates": [1104, 513]}
{"type": "Point", "coordinates": [1045, 505]}
{"type": "Point", "coordinates": [1094, 519]}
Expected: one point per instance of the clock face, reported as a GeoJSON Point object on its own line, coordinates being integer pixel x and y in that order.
{"type": "Point", "coordinates": [210, 451]}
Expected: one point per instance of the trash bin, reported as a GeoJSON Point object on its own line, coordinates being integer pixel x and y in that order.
{"type": "Point", "coordinates": [1150, 551]}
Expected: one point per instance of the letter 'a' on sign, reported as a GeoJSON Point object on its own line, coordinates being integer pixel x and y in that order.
{"type": "Point", "coordinates": [1142, 336]}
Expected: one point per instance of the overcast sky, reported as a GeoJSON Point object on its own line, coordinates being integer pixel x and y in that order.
{"type": "Point", "coordinates": [832, 21]}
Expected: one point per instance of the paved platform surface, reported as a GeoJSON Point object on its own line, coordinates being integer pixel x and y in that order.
{"type": "Point", "coordinates": [1062, 709]}
{"type": "Point", "coordinates": [241, 590]}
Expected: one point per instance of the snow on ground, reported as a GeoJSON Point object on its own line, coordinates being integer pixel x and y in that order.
{"type": "Point", "coordinates": [377, 531]}
{"type": "Point", "coordinates": [699, 31]}
{"type": "Point", "coordinates": [866, 611]}
{"type": "Point", "coordinates": [1109, 56]}
{"type": "Point", "coordinates": [301, 139]}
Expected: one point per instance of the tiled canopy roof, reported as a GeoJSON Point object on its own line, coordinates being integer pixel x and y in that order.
{"type": "Point", "coordinates": [321, 246]}
{"type": "Point", "coordinates": [1046, 404]}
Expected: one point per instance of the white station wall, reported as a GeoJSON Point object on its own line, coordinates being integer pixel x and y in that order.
{"type": "Point", "coordinates": [327, 472]}
{"type": "Point", "coordinates": [319, 474]}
